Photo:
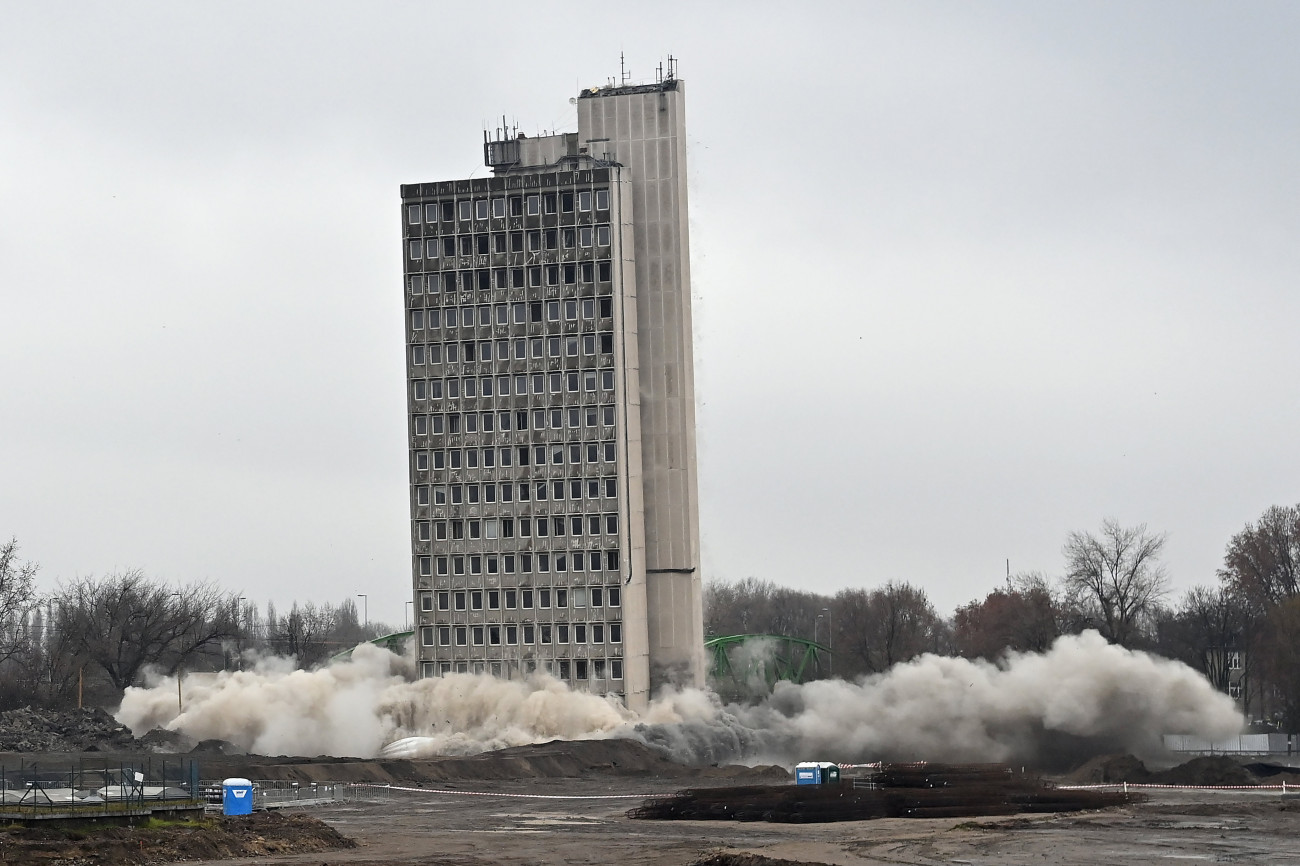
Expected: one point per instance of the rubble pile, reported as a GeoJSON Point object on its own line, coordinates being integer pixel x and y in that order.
{"type": "Point", "coordinates": [30, 729]}
{"type": "Point", "coordinates": [896, 791]}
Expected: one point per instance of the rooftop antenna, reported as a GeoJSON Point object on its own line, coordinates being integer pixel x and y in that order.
{"type": "Point", "coordinates": [672, 67]}
{"type": "Point", "coordinates": [623, 73]}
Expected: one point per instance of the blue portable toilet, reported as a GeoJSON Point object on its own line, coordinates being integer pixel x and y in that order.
{"type": "Point", "coordinates": [237, 797]}
{"type": "Point", "coordinates": [816, 773]}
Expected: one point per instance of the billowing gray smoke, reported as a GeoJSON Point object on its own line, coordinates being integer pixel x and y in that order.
{"type": "Point", "coordinates": [1082, 696]}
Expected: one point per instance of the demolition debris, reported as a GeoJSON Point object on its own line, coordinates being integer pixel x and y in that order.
{"type": "Point", "coordinates": [29, 729]}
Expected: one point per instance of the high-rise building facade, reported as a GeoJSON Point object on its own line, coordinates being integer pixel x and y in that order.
{"type": "Point", "coordinates": [554, 518]}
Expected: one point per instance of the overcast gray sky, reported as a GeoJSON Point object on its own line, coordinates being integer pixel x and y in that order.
{"type": "Point", "coordinates": [967, 276]}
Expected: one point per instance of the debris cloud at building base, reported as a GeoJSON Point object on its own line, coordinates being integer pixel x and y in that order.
{"type": "Point", "coordinates": [1081, 698]}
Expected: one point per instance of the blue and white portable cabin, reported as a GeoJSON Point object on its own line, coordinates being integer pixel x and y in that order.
{"type": "Point", "coordinates": [237, 797]}
{"type": "Point", "coordinates": [816, 773]}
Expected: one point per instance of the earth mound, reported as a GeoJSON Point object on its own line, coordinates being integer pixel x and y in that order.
{"type": "Point", "coordinates": [29, 729]}
{"type": "Point", "coordinates": [1206, 771]}
{"type": "Point", "coordinates": [1274, 774]}
{"type": "Point", "coordinates": [558, 759]}
{"type": "Point", "coordinates": [254, 835]}
{"type": "Point", "coordinates": [895, 791]}
{"type": "Point", "coordinates": [1210, 771]}
{"type": "Point", "coordinates": [726, 857]}
{"type": "Point", "coordinates": [1107, 769]}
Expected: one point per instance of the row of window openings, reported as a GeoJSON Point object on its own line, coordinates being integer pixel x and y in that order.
{"type": "Point", "coordinates": [570, 381]}
{"type": "Point", "coordinates": [491, 458]}
{"type": "Point", "coordinates": [510, 599]}
{"type": "Point", "coordinates": [510, 278]}
{"type": "Point", "coordinates": [540, 491]}
{"type": "Point", "coordinates": [490, 422]}
{"type": "Point", "coordinates": [492, 528]}
{"type": "Point", "coordinates": [527, 563]}
{"type": "Point", "coordinates": [514, 242]}
{"type": "Point", "coordinates": [515, 205]}
{"type": "Point", "coordinates": [540, 634]}
{"type": "Point", "coordinates": [469, 352]}
{"type": "Point", "coordinates": [520, 313]}
{"type": "Point", "coordinates": [559, 668]}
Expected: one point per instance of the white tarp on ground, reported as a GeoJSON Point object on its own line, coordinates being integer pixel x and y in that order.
{"type": "Point", "coordinates": [146, 792]}
{"type": "Point", "coordinates": [1241, 744]}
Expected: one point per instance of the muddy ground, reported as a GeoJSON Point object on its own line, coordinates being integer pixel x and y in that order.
{"type": "Point", "coordinates": [148, 842]}
{"type": "Point", "coordinates": [459, 815]}
{"type": "Point", "coordinates": [427, 829]}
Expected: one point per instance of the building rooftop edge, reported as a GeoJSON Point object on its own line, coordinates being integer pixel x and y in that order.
{"type": "Point", "coordinates": [668, 84]}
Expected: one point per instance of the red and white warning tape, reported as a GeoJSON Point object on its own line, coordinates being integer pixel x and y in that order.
{"type": "Point", "coordinates": [1284, 788]}
{"type": "Point", "coordinates": [1126, 785]}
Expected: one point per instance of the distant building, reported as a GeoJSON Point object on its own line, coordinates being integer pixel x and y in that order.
{"type": "Point", "coordinates": [554, 517]}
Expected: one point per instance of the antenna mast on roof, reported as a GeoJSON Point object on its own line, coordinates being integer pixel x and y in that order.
{"type": "Point", "coordinates": [672, 67]}
{"type": "Point", "coordinates": [623, 73]}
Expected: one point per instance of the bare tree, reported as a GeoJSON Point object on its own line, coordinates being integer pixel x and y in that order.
{"type": "Point", "coordinates": [1262, 563]}
{"type": "Point", "coordinates": [125, 622]}
{"type": "Point", "coordinates": [17, 600]}
{"type": "Point", "coordinates": [313, 633]}
{"type": "Point", "coordinates": [876, 629]}
{"type": "Point", "coordinates": [1208, 628]}
{"type": "Point", "coordinates": [753, 606]}
{"type": "Point", "coordinates": [1280, 652]}
{"type": "Point", "coordinates": [1116, 576]}
{"type": "Point", "coordinates": [1024, 617]}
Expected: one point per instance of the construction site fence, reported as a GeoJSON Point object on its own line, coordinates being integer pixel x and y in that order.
{"type": "Point", "coordinates": [88, 786]}
{"type": "Point", "coordinates": [280, 795]}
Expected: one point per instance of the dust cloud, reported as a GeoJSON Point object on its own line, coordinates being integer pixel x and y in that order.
{"type": "Point", "coordinates": [1080, 698]}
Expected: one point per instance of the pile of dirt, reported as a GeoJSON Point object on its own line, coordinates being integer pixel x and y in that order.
{"type": "Point", "coordinates": [1113, 769]}
{"type": "Point", "coordinates": [165, 842]}
{"type": "Point", "coordinates": [896, 791]}
{"type": "Point", "coordinates": [160, 740]}
{"type": "Point", "coordinates": [1206, 771]}
{"type": "Point", "coordinates": [559, 759]}
{"type": "Point", "coordinates": [1109, 769]}
{"type": "Point", "coordinates": [1274, 774]}
{"type": "Point", "coordinates": [28, 729]}
{"type": "Point", "coordinates": [728, 857]}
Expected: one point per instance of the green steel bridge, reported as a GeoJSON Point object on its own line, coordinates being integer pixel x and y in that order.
{"type": "Point", "coordinates": [748, 663]}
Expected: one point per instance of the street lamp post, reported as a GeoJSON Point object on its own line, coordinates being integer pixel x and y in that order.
{"type": "Point", "coordinates": [180, 708]}
{"type": "Point", "coordinates": [830, 640]}
{"type": "Point", "coordinates": [365, 602]}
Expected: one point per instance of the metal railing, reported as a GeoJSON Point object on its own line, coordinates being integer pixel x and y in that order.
{"type": "Point", "coordinates": [281, 795]}
{"type": "Point", "coordinates": [51, 788]}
